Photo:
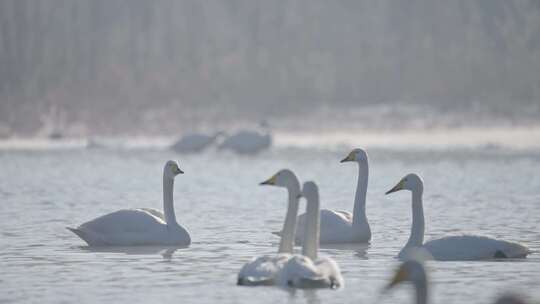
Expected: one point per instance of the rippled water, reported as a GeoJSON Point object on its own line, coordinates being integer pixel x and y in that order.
{"type": "Point", "coordinates": [230, 219]}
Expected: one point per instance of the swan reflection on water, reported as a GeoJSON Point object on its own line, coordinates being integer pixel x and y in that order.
{"type": "Point", "coordinates": [164, 251]}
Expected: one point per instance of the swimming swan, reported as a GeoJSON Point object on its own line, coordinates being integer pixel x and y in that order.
{"type": "Point", "coordinates": [263, 270]}
{"type": "Point", "coordinates": [414, 272]}
{"type": "Point", "coordinates": [195, 142]}
{"type": "Point", "coordinates": [338, 226]}
{"type": "Point", "coordinates": [450, 248]}
{"type": "Point", "coordinates": [249, 141]}
{"type": "Point", "coordinates": [307, 270]}
{"type": "Point", "coordinates": [130, 227]}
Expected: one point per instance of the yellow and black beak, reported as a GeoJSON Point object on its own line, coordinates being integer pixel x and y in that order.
{"type": "Point", "coordinates": [397, 187]}
{"type": "Point", "coordinates": [350, 157]}
{"type": "Point", "coordinates": [400, 276]}
{"type": "Point", "coordinates": [270, 181]}
{"type": "Point", "coordinates": [178, 171]}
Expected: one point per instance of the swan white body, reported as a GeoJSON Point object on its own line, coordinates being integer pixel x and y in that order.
{"type": "Point", "coordinates": [450, 248]}
{"type": "Point", "coordinates": [132, 227]}
{"type": "Point", "coordinates": [263, 270]}
{"type": "Point", "coordinates": [338, 226]}
{"type": "Point", "coordinates": [308, 270]}
{"type": "Point", "coordinates": [195, 142]}
{"type": "Point", "coordinates": [247, 142]}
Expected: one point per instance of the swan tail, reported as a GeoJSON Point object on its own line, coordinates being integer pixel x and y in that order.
{"type": "Point", "coordinates": [254, 281]}
{"type": "Point", "coordinates": [91, 241]}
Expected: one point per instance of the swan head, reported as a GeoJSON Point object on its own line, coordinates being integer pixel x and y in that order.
{"type": "Point", "coordinates": [410, 182]}
{"type": "Point", "coordinates": [310, 191]}
{"type": "Point", "coordinates": [409, 271]}
{"type": "Point", "coordinates": [172, 169]}
{"type": "Point", "coordinates": [357, 155]}
{"type": "Point", "coordinates": [284, 178]}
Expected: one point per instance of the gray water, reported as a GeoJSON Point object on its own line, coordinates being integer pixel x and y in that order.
{"type": "Point", "coordinates": [230, 219]}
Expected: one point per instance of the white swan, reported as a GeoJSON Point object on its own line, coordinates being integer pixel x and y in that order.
{"type": "Point", "coordinates": [308, 270]}
{"type": "Point", "coordinates": [338, 226]}
{"type": "Point", "coordinates": [130, 227]}
{"type": "Point", "coordinates": [414, 272]}
{"type": "Point", "coordinates": [264, 269]}
{"type": "Point", "coordinates": [195, 142]}
{"type": "Point", "coordinates": [248, 141]}
{"type": "Point", "coordinates": [451, 248]}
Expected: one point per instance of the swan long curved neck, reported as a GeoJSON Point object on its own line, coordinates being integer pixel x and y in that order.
{"type": "Point", "coordinates": [421, 290]}
{"type": "Point", "coordinates": [286, 244]}
{"type": "Point", "coordinates": [359, 210]}
{"type": "Point", "coordinates": [416, 238]}
{"type": "Point", "coordinates": [168, 208]}
{"type": "Point", "coordinates": [311, 234]}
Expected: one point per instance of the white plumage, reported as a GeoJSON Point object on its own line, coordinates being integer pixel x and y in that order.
{"type": "Point", "coordinates": [308, 270]}
{"type": "Point", "coordinates": [339, 226]}
{"type": "Point", "coordinates": [195, 142]}
{"type": "Point", "coordinates": [450, 248]}
{"type": "Point", "coordinates": [132, 227]}
{"type": "Point", "coordinates": [247, 142]}
{"type": "Point", "coordinates": [262, 270]}
{"type": "Point", "coordinates": [265, 269]}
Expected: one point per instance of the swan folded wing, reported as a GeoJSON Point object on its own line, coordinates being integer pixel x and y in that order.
{"type": "Point", "coordinates": [300, 267]}
{"type": "Point", "coordinates": [262, 270]}
{"type": "Point", "coordinates": [329, 268]}
{"type": "Point", "coordinates": [346, 215]}
{"type": "Point", "coordinates": [471, 247]}
{"type": "Point", "coordinates": [154, 212]}
{"type": "Point", "coordinates": [335, 227]}
{"type": "Point", "coordinates": [124, 227]}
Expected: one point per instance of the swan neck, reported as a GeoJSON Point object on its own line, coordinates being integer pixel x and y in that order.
{"type": "Point", "coordinates": [168, 208]}
{"type": "Point", "coordinates": [286, 244]}
{"type": "Point", "coordinates": [359, 210]}
{"type": "Point", "coordinates": [417, 229]}
{"type": "Point", "coordinates": [421, 290]}
{"type": "Point", "coordinates": [311, 234]}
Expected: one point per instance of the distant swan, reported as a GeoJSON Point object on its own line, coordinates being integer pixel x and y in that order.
{"type": "Point", "coordinates": [264, 269]}
{"type": "Point", "coordinates": [338, 226]}
{"type": "Point", "coordinates": [248, 141]}
{"type": "Point", "coordinates": [307, 270]}
{"type": "Point", "coordinates": [414, 272]}
{"type": "Point", "coordinates": [130, 227]}
{"type": "Point", "coordinates": [195, 142]}
{"type": "Point", "coordinates": [450, 248]}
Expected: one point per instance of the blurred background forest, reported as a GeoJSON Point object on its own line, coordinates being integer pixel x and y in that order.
{"type": "Point", "coordinates": [138, 66]}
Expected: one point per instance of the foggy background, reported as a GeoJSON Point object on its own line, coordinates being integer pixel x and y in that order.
{"type": "Point", "coordinates": [160, 67]}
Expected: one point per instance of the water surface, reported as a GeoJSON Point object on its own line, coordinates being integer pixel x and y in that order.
{"type": "Point", "coordinates": [230, 219]}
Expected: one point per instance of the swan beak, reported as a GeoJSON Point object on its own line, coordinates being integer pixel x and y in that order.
{"type": "Point", "coordinates": [397, 187]}
{"type": "Point", "coordinates": [270, 181]}
{"type": "Point", "coordinates": [400, 276]}
{"type": "Point", "coordinates": [350, 157]}
{"type": "Point", "coordinates": [178, 171]}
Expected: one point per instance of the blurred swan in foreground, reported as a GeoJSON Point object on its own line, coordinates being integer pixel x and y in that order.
{"type": "Point", "coordinates": [450, 248]}
{"type": "Point", "coordinates": [308, 270]}
{"type": "Point", "coordinates": [338, 226]}
{"type": "Point", "coordinates": [195, 142]}
{"type": "Point", "coordinates": [414, 272]}
{"type": "Point", "coordinates": [248, 141]}
{"type": "Point", "coordinates": [264, 269]}
{"type": "Point", "coordinates": [130, 227]}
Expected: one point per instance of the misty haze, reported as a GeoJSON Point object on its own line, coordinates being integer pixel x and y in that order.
{"type": "Point", "coordinates": [161, 67]}
{"type": "Point", "coordinates": [262, 152]}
